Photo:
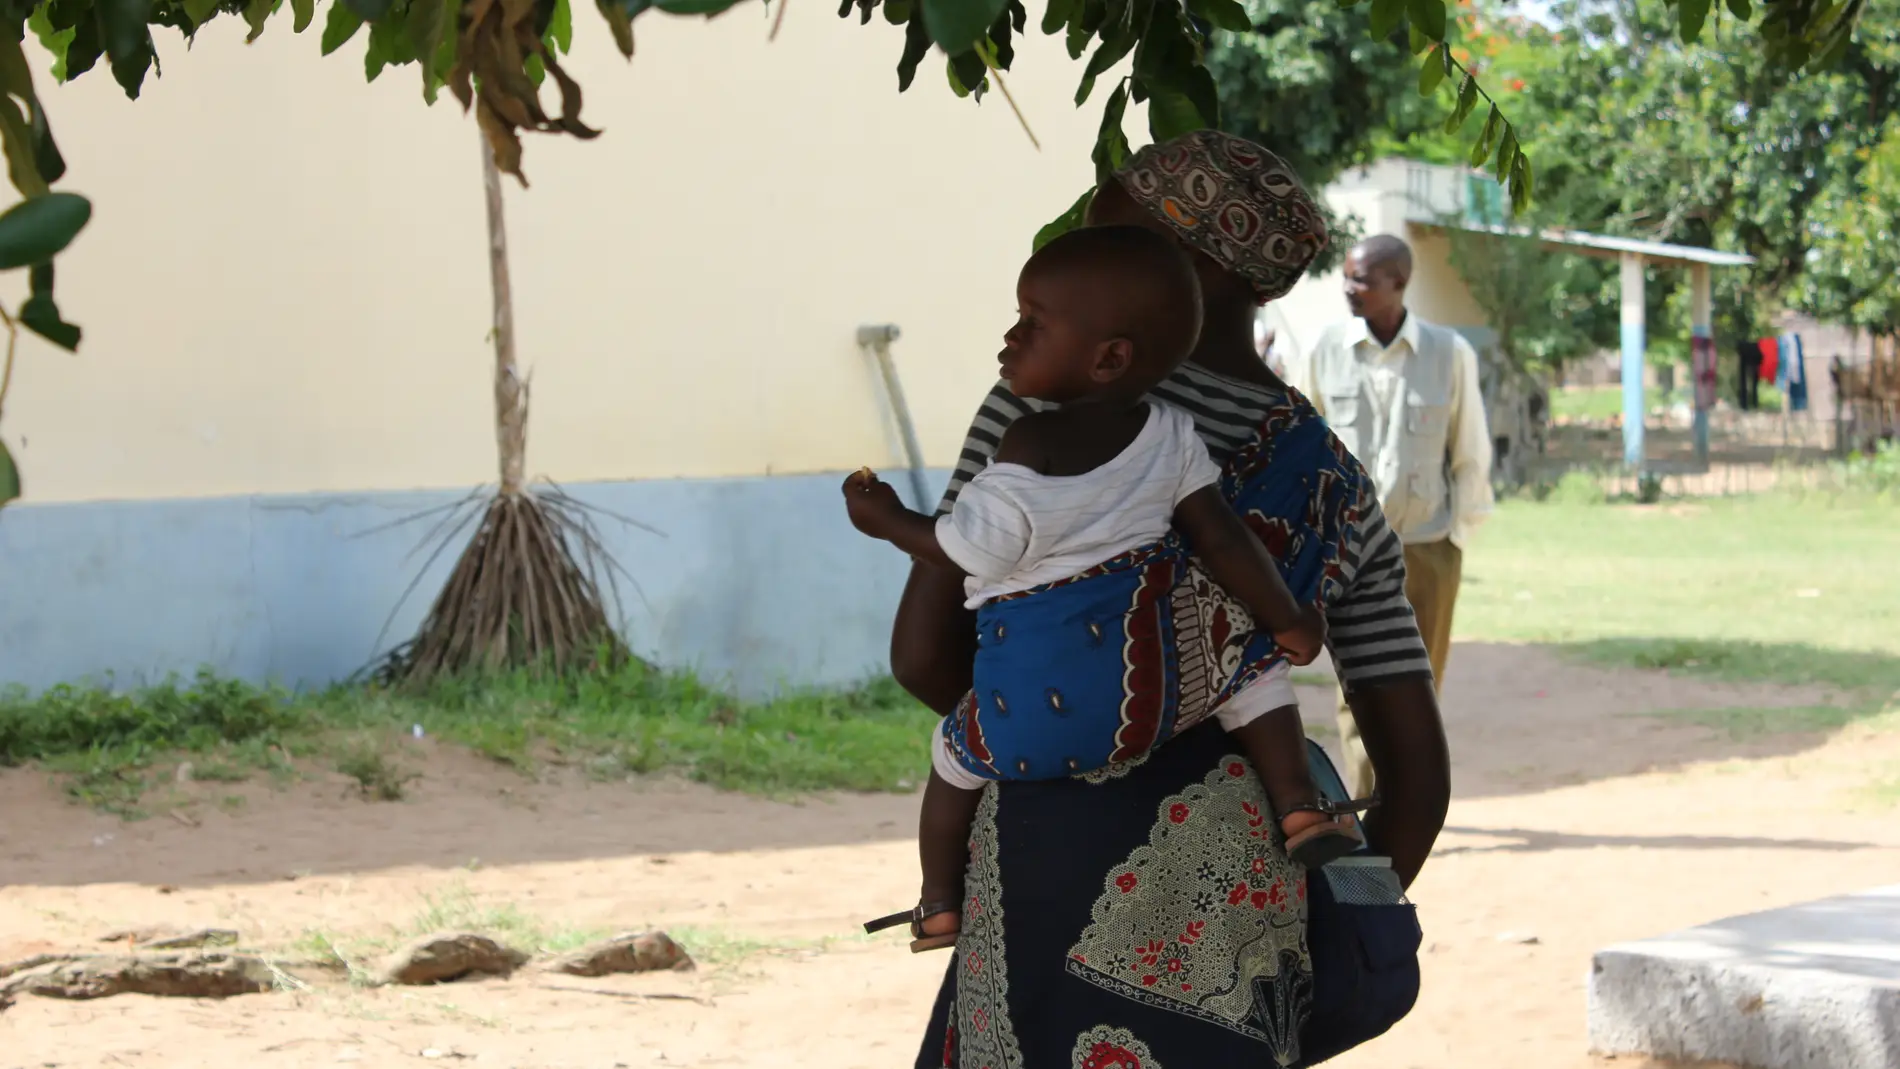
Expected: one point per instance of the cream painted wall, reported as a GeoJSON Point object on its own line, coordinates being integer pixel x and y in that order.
{"type": "Point", "coordinates": [284, 288]}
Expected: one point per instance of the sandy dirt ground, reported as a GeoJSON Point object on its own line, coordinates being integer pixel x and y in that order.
{"type": "Point", "coordinates": [1585, 814]}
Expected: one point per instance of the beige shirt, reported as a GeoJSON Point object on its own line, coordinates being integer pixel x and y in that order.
{"type": "Point", "coordinates": [1413, 414]}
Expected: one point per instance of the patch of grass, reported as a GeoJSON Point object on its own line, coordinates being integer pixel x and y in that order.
{"type": "Point", "coordinates": [377, 777]}
{"type": "Point", "coordinates": [633, 721]}
{"type": "Point", "coordinates": [638, 721]}
{"type": "Point", "coordinates": [714, 948]}
{"type": "Point", "coordinates": [1748, 723]}
{"type": "Point", "coordinates": [204, 715]}
{"type": "Point", "coordinates": [113, 779]}
{"type": "Point", "coordinates": [1586, 402]}
{"type": "Point", "coordinates": [1885, 791]}
{"type": "Point", "coordinates": [1749, 662]}
{"type": "Point", "coordinates": [216, 771]}
{"type": "Point", "coordinates": [1758, 589]}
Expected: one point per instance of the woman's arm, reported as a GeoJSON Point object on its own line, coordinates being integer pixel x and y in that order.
{"type": "Point", "coordinates": [933, 640]}
{"type": "Point", "coordinates": [1381, 660]}
{"type": "Point", "coordinates": [1405, 738]}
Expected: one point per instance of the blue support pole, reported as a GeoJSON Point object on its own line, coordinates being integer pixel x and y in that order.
{"type": "Point", "coordinates": [1702, 329]}
{"type": "Point", "coordinates": [1633, 345]}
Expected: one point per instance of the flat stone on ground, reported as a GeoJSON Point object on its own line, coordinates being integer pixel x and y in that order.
{"type": "Point", "coordinates": [444, 956]}
{"type": "Point", "coordinates": [1812, 986]}
{"type": "Point", "coordinates": [629, 953]}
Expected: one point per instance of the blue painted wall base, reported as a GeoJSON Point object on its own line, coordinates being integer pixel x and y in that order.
{"type": "Point", "coordinates": [755, 583]}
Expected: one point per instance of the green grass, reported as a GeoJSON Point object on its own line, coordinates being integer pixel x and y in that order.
{"type": "Point", "coordinates": [1586, 402]}
{"type": "Point", "coordinates": [115, 748]}
{"type": "Point", "coordinates": [1772, 588]}
{"type": "Point", "coordinates": [1600, 403]}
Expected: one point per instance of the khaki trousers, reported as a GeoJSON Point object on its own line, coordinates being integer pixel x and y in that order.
{"type": "Point", "coordinates": [1432, 573]}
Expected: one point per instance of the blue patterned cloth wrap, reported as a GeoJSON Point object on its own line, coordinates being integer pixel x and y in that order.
{"type": "Point", "coordinates": [1087, 672]}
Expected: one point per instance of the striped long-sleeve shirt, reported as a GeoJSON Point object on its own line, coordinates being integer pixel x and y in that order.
{"type": "Point", "coordinates": [1374, 635]}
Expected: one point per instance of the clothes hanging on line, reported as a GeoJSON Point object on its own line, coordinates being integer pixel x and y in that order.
{"type": "Point", "coordinates": [1702, 368]}
{"type": "Point", "coordinates": [1770, 359]}
{"type": "Point", "coordinates": [1748, 375]}
{"type": "Point", "coordinates": [1793, 378]}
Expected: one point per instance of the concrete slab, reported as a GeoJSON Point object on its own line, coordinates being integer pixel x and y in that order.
{"type": "Point", "coordinates": [1813, 986]}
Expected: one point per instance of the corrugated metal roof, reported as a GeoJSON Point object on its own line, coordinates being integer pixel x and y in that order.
{"type": "Point", "coordinates": [1602, 244]}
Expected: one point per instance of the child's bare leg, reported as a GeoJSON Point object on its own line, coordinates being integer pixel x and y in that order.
{"type": "Point", "coordinates": [1276, 744]}
{"type": "Point", "coordinates": [943, 845]}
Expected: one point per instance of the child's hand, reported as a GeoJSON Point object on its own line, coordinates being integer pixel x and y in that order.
{"type": "Point", "coordinates": [871, 503]}
{"type": "Point", "coordinates": [1303, 641]}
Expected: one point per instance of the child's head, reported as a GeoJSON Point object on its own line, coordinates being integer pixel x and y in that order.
{"type": "Point", "coordinates": [1105, 311]}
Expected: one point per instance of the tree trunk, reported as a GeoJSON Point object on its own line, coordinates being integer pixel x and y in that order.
{"type": "Point", "coordinates": [511, 393]}
{"type": "Point", "coordinates": [1517, 410]}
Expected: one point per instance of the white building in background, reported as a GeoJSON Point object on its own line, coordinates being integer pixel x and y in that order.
{"type": "Point", "coordinates": [285, 297]}
{"type": "Point", "coordinates": [1419, 202]}
{"type": "Point", "coordinates": [1407, 200]}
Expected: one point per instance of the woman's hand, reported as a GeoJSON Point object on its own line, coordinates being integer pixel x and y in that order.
{"type": "Point", "coordinates": [873, 504]}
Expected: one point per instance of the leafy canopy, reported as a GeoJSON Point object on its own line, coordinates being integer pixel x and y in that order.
{"type": "Point", "coordinates": [496, 56]}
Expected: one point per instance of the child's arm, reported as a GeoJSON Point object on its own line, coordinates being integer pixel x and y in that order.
{"type": "Point", "coordinates": [876, 510]}
{"type": "Point", "coordinates": [1244, 568]}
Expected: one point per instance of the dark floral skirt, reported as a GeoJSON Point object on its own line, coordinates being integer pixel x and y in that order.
{"type": "Point", "coordinates": [1146, 917]}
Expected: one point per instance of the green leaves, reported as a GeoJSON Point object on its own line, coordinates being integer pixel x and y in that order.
{"type": "Point", "coordinates": [1692, 14]}
{"type": "Point", "coordinates": [1741, 9]}
{"type": "Point", "coordinates": [1431, 73]}
{"type": "Point", "coordinates": [916, 47]}
{"type": "Point", "coordinates": [426, 26]}
{"type": "Point", "coordinates": [368, 10]}
{"type": "Point", "coordinates": [1109, 54]}
{"type": "Point", "coordinates": [1111, 142]}
{"type": "Point", "coordinates": [1067, 221]}
{"type": "Point", "coordinates": [1229, 14]}
{"type": "Point", "coordinates": [708, 8]}
{"type": "Point", "coordinates": [1429, 17]}
{"type": "Point", "coordinates": [126, 40]}
{"type": "Point", "coordinates": [9, 477]}
{"type": "Point", "coordinates": [256, 14]}
{"type": "Point", "coordinates": [1057, 14]}
{"type": "Point", "coordinates": [1387, 16]}
{"type": "Point", "coordinates": [40, 227]}
{"type": "Point", "coordinates": [620, 24]}
{"type": "Point", "coordinates": [40, 315]}
{"type": "Point", "coordinates": [956, 24]}
{"type": "Point", "coordinates": [1467, 100]}
{"type": "Point", "coordinates": [1482, 150]}
{"type": "Point", "coordinates": [341, 25]}
{"type": "Point", "coordinates": [304, 12]}
{"type": "Point", "coordinates": [1171, 114]}
{"type": "Point", "coordinates": [199, 11]}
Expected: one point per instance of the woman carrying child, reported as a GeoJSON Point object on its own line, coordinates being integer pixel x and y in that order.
{"type": "Point", "coordinates": [1147, 914]}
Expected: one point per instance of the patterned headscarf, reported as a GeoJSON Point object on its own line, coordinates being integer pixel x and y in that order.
{"type": "Point", "coordinates": [1234, 201]}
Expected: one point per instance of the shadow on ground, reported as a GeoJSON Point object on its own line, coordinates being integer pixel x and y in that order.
{"type": "Point", "coordinates": [1525, 719]}
{"type": "Point", "coordinates": [1535, 841]}
{"type": "Point", "coordinates": [1521, 720]}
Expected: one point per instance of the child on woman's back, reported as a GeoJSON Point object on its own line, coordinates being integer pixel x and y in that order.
{"type": "Point", "coordinates": [1065, 540]}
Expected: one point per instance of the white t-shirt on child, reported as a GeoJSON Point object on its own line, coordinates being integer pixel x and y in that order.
{"type": "Point", "coordinates": [1013, 528]}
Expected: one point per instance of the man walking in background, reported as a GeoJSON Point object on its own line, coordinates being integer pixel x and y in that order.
{"type": "Point", "coordinates": [1403, 395]}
